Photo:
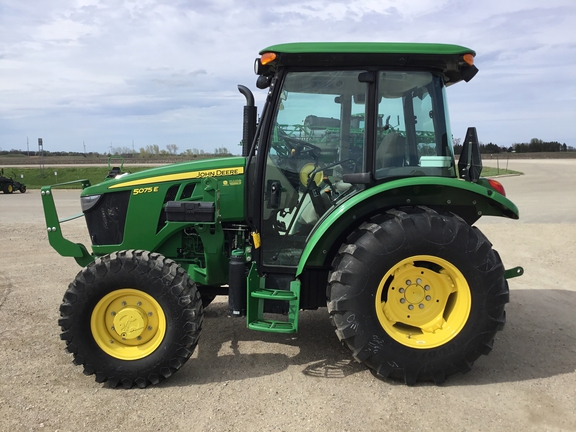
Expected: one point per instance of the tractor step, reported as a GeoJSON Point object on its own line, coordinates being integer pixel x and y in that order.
{"type": "Point", "coordinates": [274, 294]}
{"type": "Point", "coordinates": [272, 326]}
{"type": "Point", "coordinates": [258, 294]}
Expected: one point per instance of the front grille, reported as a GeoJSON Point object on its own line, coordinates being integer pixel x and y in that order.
{"type": "Point", "coordinates": [107, 218]}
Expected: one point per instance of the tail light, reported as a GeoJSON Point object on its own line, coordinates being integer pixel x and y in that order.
{"type": "Point", "coordinates": [497, 186]}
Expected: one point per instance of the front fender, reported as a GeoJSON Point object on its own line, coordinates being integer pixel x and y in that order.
{"type": "Point", "coordinates": [468, 200]}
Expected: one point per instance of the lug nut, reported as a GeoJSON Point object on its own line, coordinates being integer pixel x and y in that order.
{"type": "Point", "coordinates": [149, 313]}
{"type": "Point", "coordinates": [401, 290]}
{"type": "Point", "coordinates": [410, 307]}
{"type": "Point", "coordinates": [402, 300]}
{"type": "Point", "coordinates": [123, 303]}
{"type": "Point", "coordinates": [139, 304]}
{"type": "Point", "coordinates": [112, 313]}
{"type": "Point", "coordinates": [428, 298]}
{"type": "Point", "coordinates": [421, 306]}
{"type": "Point", "coordinates": [427, 287]}
{"type": "Point", "coordinates": [408, 282]}
{"type": "Point", "coordinates": [149, 327]}
{"type": "Point", "coordinates": [418, 281]}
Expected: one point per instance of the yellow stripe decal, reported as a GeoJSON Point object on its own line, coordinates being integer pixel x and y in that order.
{"type": "Point", "coordinates": [221, 172]}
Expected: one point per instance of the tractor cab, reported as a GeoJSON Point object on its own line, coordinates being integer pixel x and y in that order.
{"type": "Point", "coordinates": [330, 130]}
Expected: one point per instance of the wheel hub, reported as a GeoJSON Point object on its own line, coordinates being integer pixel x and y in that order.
{"type": "Point", "coordinates": [129, 323]}
{"type": "Point", "coordinates": [414, 294]}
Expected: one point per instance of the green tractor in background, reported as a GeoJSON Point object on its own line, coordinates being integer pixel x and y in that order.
{"type": "Point", "coordinates": [347, 195]}
{"type": "Point", "coordinates": [8, 185]}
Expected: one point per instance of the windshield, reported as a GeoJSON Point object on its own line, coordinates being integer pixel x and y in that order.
{"type": "Point", "coordinates": [325, 109]}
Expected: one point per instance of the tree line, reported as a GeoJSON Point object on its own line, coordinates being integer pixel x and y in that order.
{"type": "Point", "coordinates": [535, 145]}
{"type": "Point", "coordinates": [152, 151]}
{"type": "Point", "coordinates": [149, 151]}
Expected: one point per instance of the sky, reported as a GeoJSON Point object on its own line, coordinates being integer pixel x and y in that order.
{"type": "Point", "coordinates": [88, 75]}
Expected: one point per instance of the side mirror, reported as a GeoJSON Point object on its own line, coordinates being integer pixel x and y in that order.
{"type": "Point", "coordinates": [470, 162]}
{"type": "Point", "coordinates": [263, 82]}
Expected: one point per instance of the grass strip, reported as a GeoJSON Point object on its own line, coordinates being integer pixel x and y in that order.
{"type": "Point", "coordinates": [34, 178]}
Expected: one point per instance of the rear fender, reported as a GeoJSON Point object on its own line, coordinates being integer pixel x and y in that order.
{"type": "Point", "coordinates": [468, 200]}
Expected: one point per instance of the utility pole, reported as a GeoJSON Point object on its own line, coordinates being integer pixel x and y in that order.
{"type": "Point", "coordinates": [41, 154]}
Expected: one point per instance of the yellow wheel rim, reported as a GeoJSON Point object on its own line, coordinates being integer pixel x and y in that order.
{"type": "Point", "coordinates": [423, 302]}
{"type": "Point", "coordinates": [128, 324]}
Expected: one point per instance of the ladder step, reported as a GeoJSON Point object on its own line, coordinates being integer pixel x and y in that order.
{"type": "Point", "coordinates": [272, 326]}
{"type": "Point", "coordinates": [273, 294]}
{"type": "Point", "coordinates": [258, 295]}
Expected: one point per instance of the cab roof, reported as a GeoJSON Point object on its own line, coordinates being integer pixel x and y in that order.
{"type": "Point", "coordinates": [455, 62]}
{"type": "Point", "coordinates": [368, 48]}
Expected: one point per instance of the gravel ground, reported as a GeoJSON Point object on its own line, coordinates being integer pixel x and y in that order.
{"type": "Point", "coordinates": [250, 381]}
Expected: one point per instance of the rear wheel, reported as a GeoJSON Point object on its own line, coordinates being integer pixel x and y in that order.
{"type": "Point", "coordinates": [8, 188]}
{"type": "Point", "coordinates": [131, 318]}
{"type": "Point", "coordinates": [417, 295]}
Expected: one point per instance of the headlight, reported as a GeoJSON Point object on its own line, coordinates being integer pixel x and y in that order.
{"type": "Point", "coordinates": [87, 202]}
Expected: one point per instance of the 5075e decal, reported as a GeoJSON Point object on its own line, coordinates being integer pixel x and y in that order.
{"type": "Point", "coordinates": [143, 190]}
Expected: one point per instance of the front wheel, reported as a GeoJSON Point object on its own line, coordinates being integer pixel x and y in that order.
{"type": "Point", "coordinates": [131, 318]}
{"type": "Point", "coordinates": [417, 294]}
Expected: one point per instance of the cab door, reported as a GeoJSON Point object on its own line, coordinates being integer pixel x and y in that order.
{"type": "Point", "coordinates": [315, 134]}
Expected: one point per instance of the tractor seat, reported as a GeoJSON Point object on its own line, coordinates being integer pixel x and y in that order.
{"type": "Point", "coordinates": [113, 173]}
{"type": "Point", "coordinates": [391, 151]}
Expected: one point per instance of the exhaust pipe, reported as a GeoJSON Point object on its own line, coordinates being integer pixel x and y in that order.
{"type": "Point", "coordinates": [249, 120]}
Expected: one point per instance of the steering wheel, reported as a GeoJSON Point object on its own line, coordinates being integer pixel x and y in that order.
{"type": "Point", "coordinates": [296, 147]}
{"type": "Point", "coordinates": [300, 146]}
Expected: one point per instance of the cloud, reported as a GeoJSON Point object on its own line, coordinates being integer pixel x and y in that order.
{"type": "Point", "coordinates": [166, 71]}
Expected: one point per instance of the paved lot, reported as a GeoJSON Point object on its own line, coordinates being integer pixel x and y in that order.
{"type": "Point", "coordinates": [242, 380]}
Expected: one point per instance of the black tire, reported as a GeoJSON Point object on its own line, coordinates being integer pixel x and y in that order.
{"type": "Point", "coordinates": [8, 188]}
{"type": "Point", "coordinates": [22, 189]}
{"type": "Point", "coordinates": [167, 311]}
{"type": "Point", "coordinates": [370, 290]}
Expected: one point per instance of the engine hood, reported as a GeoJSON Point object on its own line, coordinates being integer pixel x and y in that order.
{"type": "Point", "coordinates": [219, 167]}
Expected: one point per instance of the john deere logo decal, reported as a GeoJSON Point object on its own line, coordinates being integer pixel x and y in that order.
{"type": "Point", "coordinates": [182, 176]}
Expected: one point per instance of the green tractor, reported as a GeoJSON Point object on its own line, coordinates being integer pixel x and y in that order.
{"type": "Point", "coordinates": [8, 185]}
{"type": "Point", "coordinates": [347, 195]}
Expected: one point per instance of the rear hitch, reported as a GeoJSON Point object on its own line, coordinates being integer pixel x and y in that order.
{"type": "Point", "coordinates": [513, 272]}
